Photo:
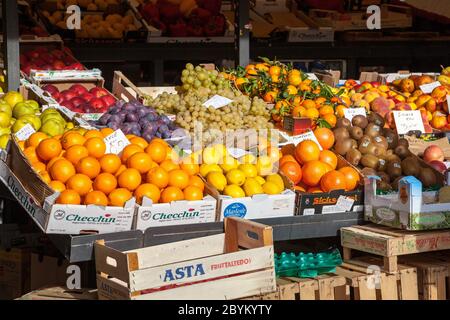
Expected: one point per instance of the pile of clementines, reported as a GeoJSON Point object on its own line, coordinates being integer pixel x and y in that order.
{"type": "Point", "coordinates": [76, 165]}
{"type": "Point", "coordinates": [313, 170]}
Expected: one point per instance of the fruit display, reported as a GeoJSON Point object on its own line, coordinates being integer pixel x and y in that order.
{"type": "Point", "coordinates": [80, 99]}
{"type": "Point", "coordinates": [137, 119]}
{"type": "Point", "coordinates": [88, 5]}
{"type": "Point", "coordinates": [44, 58]}
{"type": "Point", "coordinates": [292, 92]}
{"type": "Point", "coordinates": [434, 156]}
{"type": "Point", "coordinates": [378, 151]}
{"type": "Point", "coordinates": [185, 18]}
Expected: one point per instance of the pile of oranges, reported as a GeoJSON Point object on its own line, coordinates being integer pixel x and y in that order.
{"type": "Point", "coordinates": [313, 170]}
{"type": "Point", "coordinates": [76, 165]}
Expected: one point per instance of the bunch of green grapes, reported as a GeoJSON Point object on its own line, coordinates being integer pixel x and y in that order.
{"type": "Point", "coordinates": [198, 78]}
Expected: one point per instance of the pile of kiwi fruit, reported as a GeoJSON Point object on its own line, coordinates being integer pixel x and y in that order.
{"type": "Point", "coordinates": [376, 150]}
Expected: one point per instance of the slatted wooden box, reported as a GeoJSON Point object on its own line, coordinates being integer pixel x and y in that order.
{"type": "Point", "coordinates": [210, 267]}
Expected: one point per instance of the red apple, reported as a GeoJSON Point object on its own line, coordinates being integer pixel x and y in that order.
{"type": "Point", "coordinates": [87, 108]}
{"type": "Point", "coordinates": [39, 62]}
{"type": "Point", "coordinates": [78, 89]}
{"type": "Point", "coordinates": [87, 96]}
{"type": "Point", "coordinates": [33, 54]}
{"type": "Point", "coordinates": [77, 110]}
{"type": "Point", "coordinates": [41, 49]}
{"type": "Point", "coordinates": [68, 94]}
{"type": "Point", "coordinates": [58, 54]}
{"type": "Point", "coordinates": [47, 57]}
{"type": "Point", "coordinates": [97, 103]}
{"type": "Point", "coordinates": [58, 65]}
{"type": "Point", "coordinates": [98, 92]}
{"type": "Point", "coordinates": [77, 101]}
{"type": "Point", "coordinates": [56, 95]}
{"type": "Point", "coordinates": [50, 89]}
{"type": "Point", "coordinates": [68, 105]}
{"type": "Point", "coordinates": [438, 165]}
{"type": "Point", "coordinates": [433, 152]}
{"type": "Point", "coordinates": [23, 59]}
{"type": "Point", "coordinates": [60, 99]}
{"type": "Point", "coordinates": [76, 66]}
{"type": "Point", "coordinates": [108, 100]}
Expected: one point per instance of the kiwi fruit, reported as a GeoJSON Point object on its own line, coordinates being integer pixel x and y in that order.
{"type": "Point", "coordinates": [402, 152]}
{"type": "Point", "coordinates": [356, 133]}
{"type": "Point", "coordinates": [360, 121]}
{"type": "Point", "coordinates": [381, 141]}
{"type": "Point", "coordinates": [403, 142]}
{"type": "Point", "coordinates": [369, 160]}
{"type": "Point", "coordinates": [372, 130]}
{"type": "Point", "coordinates": [341, 133]}
{"type": "Point", "coordinates": [384, 176]}
{"type": "Point", "coordinates": [376, 150]}
{"type": "Point", "coordinates": [394, 184]}
{"type": "Point", "coordinates": [428, 177]}
{"type": "Point", "coordinates": [343, 123]}
{"type": "Point", "coordinates": [394, 169]}
{"type": "Point", "coordinates": [366, 139]}
{"type": "Point", "coordinates": [353, 156]}
{"type": "Point", "coordinates": [382, 164]}
{"type": "Point", "coordinates": [391, 156]}
{"type": "Point", "coordinates": [354, 144]}
{"type": "Point", "coordinates": [364, 143]}
{"type": "Point", "coordinates": [391, 138]}
{"type": "Point", "coordinates": [410, 167]}
{"type": "Point", "coordinates": [368, 172]}
{"type": "Point", "coordinates": [375, 118]}
{"type": "Point", "coordinates": [343, 146]}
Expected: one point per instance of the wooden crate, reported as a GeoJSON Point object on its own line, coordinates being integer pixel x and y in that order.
{"type": "Point", "coordinates": [367, 281]}
{"type": "Point", "coordinates": [391, 243]}
{"type": "Point", "coordinates": [323, 287]}
{"type": "Point", "coordinates": [211, 267]}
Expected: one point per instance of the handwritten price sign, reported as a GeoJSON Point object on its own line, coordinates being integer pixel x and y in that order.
{"type": "Point", "coordinates": [349, 113]}
{"type": "Point", "coordinates": [406, 121]}
{"type": "Point", "coordinates": [115, 142]}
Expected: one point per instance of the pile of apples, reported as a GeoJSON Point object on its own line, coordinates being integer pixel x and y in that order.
{"type": "Point", "coordinates": [81, 100]}
{"type": "Point", "coordinates": [42, 58]}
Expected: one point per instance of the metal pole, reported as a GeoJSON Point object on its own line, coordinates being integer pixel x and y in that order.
{"type": "Point", "coordinates": [242, 29]}
{"type": "Point", "coordinates": [11, 43]}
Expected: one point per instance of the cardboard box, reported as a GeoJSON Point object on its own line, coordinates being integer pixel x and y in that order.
{"type": "Point", "coordinates": [175, 213]}
{"type": "Point", "coordinates": [12, 237]}
{"type": "Point", "coordinates": [417, 146]}
{"type": "Point", "coordinates": [61, 293]}
{"type": "Point", "coordinates": [47, 271]}
{"type": "Point", "coordinates": [14, 273]}
{"type": "Point", "coordinates": [410, 208]}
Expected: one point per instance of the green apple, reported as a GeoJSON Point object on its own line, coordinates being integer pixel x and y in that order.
{"type": "Point", "coordinates": [5, 131]}
{"type": "Point", "coordinates": [5, 119]}
{"type": "Point", "coordinates": [11, 122]}
{"type": "Point", "coordinates": [52, 127]}
{"type": "Point", "coordinates": [35, 121]}
{"type": "Point", "coordinates": [48, 111]}
{"type": "Point", "coordinates": [34, 104]}
{"type": "Point", "coordinates": [22, 109]}
{"type": "Point", "coordinates": [53, 116]}
{"type": "Point", "coordinates": [12, 98]}
{"type": "Point", "coordinates": [4, 107]}
{"type": "Point", "coordinates": [19, 124]}
{"type": "Point", "coordinates": [4, 141]}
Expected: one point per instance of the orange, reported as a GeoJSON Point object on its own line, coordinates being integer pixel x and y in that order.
{"type": "Point", "coordinates": [48, 149]}
{"type": "Point", "coordinates": [30, 153]}
{"type": "Point", "coordinates": [172, 154]}
{"type": "Point", "coordinates": [292, 171]}
{"type": "Point", "coordinates": [119, 197]}
{"type": "Point", "coordinates": [309, 104]}
{"type": "Point", "coordinates": [325, 137]}
{"type": "Point", "coordinates": [110, 163]}
{"type": "Point", "coordinates": [314, 190]}
{"type": "Point", "coordinates": [157, 151]}
{"type": "Point", "coordinates": [140, 161]}
{"type": "Point", "coordinates": [69, 197]}
{"type": "Point", "coordinates": [326, 109]}
{"type": "Point", "coordinates": [333, 180]}
{"type": "Point", "coordinates": [57, 185]}
{"type": "Point", "coordinates": [340, 110]}
{"type": "Point", "coordinates": [121, 169]}
{"type": "Point", "coordinates": [130, 179]}
{"type": "Point", "coordinates": [329, 158]}
{"type": "Point", "coordinates": [106, 131]}
{"type": "Point", "coordinates": [76, 153]}
{"type": "Point", "coordinates": [141, 142]}
{"type": "Point", "coordinates": [39, 166]}
{"type": "Point", "coordinates": [130, 136]}
{"type": "Point", "coordinates": [286, 158]}
{"type": "Point", "coordinates": [320, 101]}
{"type": "Point", "coordinates": [192, 193]}
{"type": "Point", "coordinates": [307, 150]}
{"type": "Point", "coordinates": [313, 171]}
{"type": "Point", "coordinates": [188, 166]}
{"type": "Point", "coordinates": [51, 162]}
{"type": "Point", "coordinates": [35, 139]}
{"type": "Point", "coordinates": [71, 139]}
{"type": "Point", "coordinates": [21, 145]}
{"type": "Point", "coordinates": [79, 183]}
{"type": "Point", "coordinates": [95, 146]}
{"type": "Point", "coordinates": [330, 119]}
{"type": "Point", "coordinates": [45, 177]}
{"type": "Point", "coordinates": [129, 150]}
{"type": "Point", "coordinates": [299, 188]}
{"type": "Point", "coordinates": [62, 170]}
{"type": "Point", "coordinates": [288, 149]}
{"type": "Point", "coordinates": [105, 182]}
{"type": "Point", "coordinates": [170, 194]}
{"type": "Point", "coordinates": [162, 141]}
{"type": "Point", "coordinates": [298, 111]}
{"type": "Point", "coordinates": [169, 165]}
{"type": "Point", "coordinates": [312, 113]}
{"type": "Point", "coordinates": [196, 181]}
{"type": "Point", "coordinates": [57, 137]}
{"type": "Point", "coordinates": [178, 178]}
{"type": "Point", "coordinates": [93, 134]}
{"type": "Point", "coordinates": [97, 198]}
{"type": "Point", "coordinates": [351, 178]}
{"type": "Point", "coordinates": [88, 166]}
{"type": "Point", "coordinates": [148, 190]}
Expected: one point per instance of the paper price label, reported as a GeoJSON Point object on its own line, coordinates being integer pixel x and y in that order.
{"type": "Point", "coordinates": [309, 135]}
{"type": "Point", "coordinates": [217, 102]}
{"type": "Point", "coordinates": [349, 113]}
{"type": "Point", "coordinates": [429, 87]}
{"type": "Point", "coordinates": [237, 153]}
{"type": "Point", "coordinates": [67, 112]}
{"type": "Point", "coordinates": [25, 132]}
{"type": "Point", "coordinates": [345, 203]}
{"type": "Point", "coordinates": [406, 121]}
{"type": "Point", "coordinates": [115, 142]}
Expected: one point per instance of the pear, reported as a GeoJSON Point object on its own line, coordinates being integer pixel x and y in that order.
{"type": "Point", "coordinates": [53, 116]}
{"type": "Point", "coordinates": [48, 111]}
{"type": "Point", "coordinates": [4, 107]}
{"type": "Point", "coordinates": [4, 141]}
{"type": "Point", "coordinates": [52, 127]}
{"type": "Point", "coordinates": [22, 109]}
{"type": "Point", "coordinates": [35, 121]}
{"type": "Point", "coordinates": [20, 123]}
{"type": "Point", "coordinates": [5, 131]}
{"type": "Point", "coordinates": [12, 98]}
{"type": "Point", "coordinates": [5, 119]}
{"type": "Point", "coordinates": [34, 104]}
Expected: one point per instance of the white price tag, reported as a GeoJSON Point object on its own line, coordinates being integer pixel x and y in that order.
{"type": "Point", "coordinates": [309, 212]}
{"type": "Point", "coordinates": [115, 142]}
{"type": "Point", "coordinates": [70, 114]}
{"type": "Point", "coordinates": [390, 77]}
{"type": "Point", "coordinates": [312, 76]}
{"type": "Point", "coordinates": [237, 153]}
{"type": "Point", "coordinates": [406, 121]}
{"type": "Point", "coordinates": [217, 102]}
{"type": "Point", "coordinates": [345, 203]}
{"type": "Point", "coordinates": [309, 135]}
{"type": "Point", "coordinates": [349, 113]}
{"type": "Point", "coordinates": [25, 132]}
{"type": "Point", "coordinates": [448, 100]}
{"type": "Point", "coordinates": [429, 87]}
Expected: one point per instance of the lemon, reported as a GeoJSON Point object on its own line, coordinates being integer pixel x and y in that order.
{"type": "Point", "coordinates": [248, 158]}
{"type": "Point", "coordinates": [249, 170]}
{"type": "Point", "coordinates": [260, 180]}
{"type": "Point", "coordinates": [252, 187]}
{"type": "Point", "coordinates": [229, 163]}
{"type": "Point", "coordinates": [217, 180]}
{"type": "Point", "coordinates": [212, 155]}
{"type": "Point", "coordinates": [264, 166]}
{"type": "Point", "coordinates": [271, 188]}
{"type": "Point", "coordinates": [234, 191]}
{"type": "Point", "coordinates": [207, 168]}
{"type": "Point", "coordinates": [276, 178]}
{"type": "Point", "coordinates": [236, 176]}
